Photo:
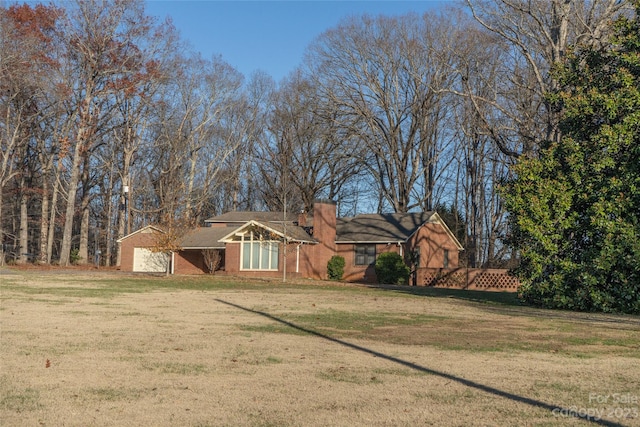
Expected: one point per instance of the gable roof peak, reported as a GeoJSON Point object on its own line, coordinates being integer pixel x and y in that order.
{"type": "Point", "coordinates": [292, 232]}
{"type": "Point", "coordinates": [245, 216]}
{"type": "Point", "coordinates": [145, 229]}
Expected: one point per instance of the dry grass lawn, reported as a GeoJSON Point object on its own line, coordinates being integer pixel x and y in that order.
{"type": "Point", "coordinates": [109, 349]}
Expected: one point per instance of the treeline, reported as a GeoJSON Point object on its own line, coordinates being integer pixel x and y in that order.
{"type": "Point", "coordinates": [109, 122]}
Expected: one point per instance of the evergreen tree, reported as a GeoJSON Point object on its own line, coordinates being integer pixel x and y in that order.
{"type": "Point", "coordinates": [575, 210]}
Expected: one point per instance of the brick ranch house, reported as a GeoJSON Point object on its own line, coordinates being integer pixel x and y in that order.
{"type": "Point", "coordinates": [251, 244]}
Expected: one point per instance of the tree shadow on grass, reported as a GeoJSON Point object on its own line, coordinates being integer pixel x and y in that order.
{"type": "Point", "coordinates": [501, 298]}
{"type": "Point", "coordinates": [468, 383]}
{"type": "Point", "coordinates": [509, 304]}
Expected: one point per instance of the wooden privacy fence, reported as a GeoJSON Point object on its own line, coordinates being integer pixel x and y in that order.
{"type": "Point", "coordinates": [477, 279]}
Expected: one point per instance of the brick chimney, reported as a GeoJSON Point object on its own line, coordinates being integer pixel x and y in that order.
{"type": "Point", "coordinates": [302, 219]}
{"type": "Point", "coordinates": [324, 223]}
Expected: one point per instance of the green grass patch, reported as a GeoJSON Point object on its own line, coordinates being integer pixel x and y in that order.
{"type": "Point", "coordinates": [342, 323]}
{"type": "Point", "coordinates": [21, 400]}
{"type": "Point", "coordinates": [349, 375]}
{"type": "Point", "coordinates": [516, 335]}
{"type": "Point", "coordinates": [400, 372]}
{"type": "Point", "coordinates": [177, 368]}
{"type": "Point", "coordinates": [111, 394]}
{"type": "Point", "coordinates": [351, 321]}
{"type": "Point", "coordinates": [520, 332]}
{"type": "Point", "coordinates": [275, 328]}
{"type": "Point", "coordinates": [498, 298]}
{"type": "Point", "coordinates": [119, 284]}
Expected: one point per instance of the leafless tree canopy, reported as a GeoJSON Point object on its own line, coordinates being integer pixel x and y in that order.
{"type": "Point", "coordinates": [385, 79]}
{"type": "Point", "coordinates": [108, 122]}
{"type": "Point", "coordinates": [536, 34]}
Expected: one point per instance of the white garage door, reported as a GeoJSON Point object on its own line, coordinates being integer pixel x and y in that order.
{"type": "Point", "coordinates": [149, 262]}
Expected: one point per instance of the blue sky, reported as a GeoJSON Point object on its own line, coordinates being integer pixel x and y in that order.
{"type": "Point", "coordinates": [267, 35]}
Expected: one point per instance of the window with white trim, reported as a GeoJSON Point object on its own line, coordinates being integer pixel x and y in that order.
{"type": "Point", "coordinates": [258, 254]}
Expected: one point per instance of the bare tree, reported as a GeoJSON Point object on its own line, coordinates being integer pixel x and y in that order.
{"type": "Point", "coordinates": [480, 166]}
{"type": "Point", "coordinates": [230, 133]}
{"type": "Point", "coordinates": [129, 124]}
{"type": "Point", "coordinates": [385, 76]}
{"type": "Point", "coordinates": [212, 259]}
{"type": "Point", "coordinates": [193, 136]}
{"type": "Point", "coordinates": [104, 55]}
{"type": "Point", "coordinates": [84, 118]}
{"type": "Point", "coordinates": [26, 61]}
{"type": "Point", "coordinates": [306, 146]}
{"type": "Point", "coordinates": [536, 34]}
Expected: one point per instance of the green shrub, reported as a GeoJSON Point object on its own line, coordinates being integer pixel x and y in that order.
{"type": "Point", "coordinates": [335, 267]}
{"type": "Point", "coordinates": [74, 256]}
{"type": "Point", "coordinates": [391, 269]}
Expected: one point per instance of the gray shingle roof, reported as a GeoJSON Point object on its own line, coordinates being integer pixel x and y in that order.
{"type": "Point", "coordinates": [380, 227]}
{"type": "Point", "coordinates": [205, 238]}
{"type": "Point", "coordinates": [362, 228]}
{"type": "Point", "coordinates": [293, 232]}
{"type": "Point", "coordinates": [245, 216]}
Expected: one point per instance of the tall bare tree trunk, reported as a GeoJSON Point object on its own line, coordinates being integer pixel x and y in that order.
{"type": "Point", "coordinates": [1, 231]}
{"type": "Point", "coordinates": [46, 161]}
{"type": "Point", "coordinates": [44, 220]}
{"type": "Point", "coordinates": [122, 215]}
{"type": "Point", "coordinates": [108, 224]}
{"type": "Point", "coordinates": [24, 227]}
{"type": "Point", "coordinates": [122, 212]}
{"type": "Point", "coordinates": [79, 153]}
{"type": "Point", "coordinates": [53, 214]}
{"type": "Point", "coordinates": [190, 183]}
{"type": "Point", "coordinates": [65, 248]}
{"type": "Point", "coordinates": [83, 247]}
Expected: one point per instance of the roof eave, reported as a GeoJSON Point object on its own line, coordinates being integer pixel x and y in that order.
{"type": "Point", "coordinates": [191, 248]}
{"type": "Point", "coordinates": [139, 231]}
{"type": "Point", "coordinates": [448, 231]}
{"type": "Point", "coordinates": [229, 237]}
{"type": "Point", "coordinates": [377, 242]}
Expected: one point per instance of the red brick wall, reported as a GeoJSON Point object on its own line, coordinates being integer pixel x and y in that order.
{"type": "Point", "coordinates": [362, 273]}
{"type": "Point", "coordinates": [232, 257]}
{"type": "Point", "coordinates": [307, 264]}
{"type": "Point", "coordinates": [313, 258]}
{"type": "Point", "coordinates": [433, 240]}
{"type": "Point", "coordinates": [143, 239]}
{"type": "Point", "coordinates": [185, 262]}
{"type": "Point", "coordinates": [188, 262]}
{"type": "Point", "coordinates": [324, 231]}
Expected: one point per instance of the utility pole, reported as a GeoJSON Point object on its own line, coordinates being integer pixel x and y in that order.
{"type": "Point", "coordinates": [125, 189]}
{"type": "Point", "coordinates": [284, 224]}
